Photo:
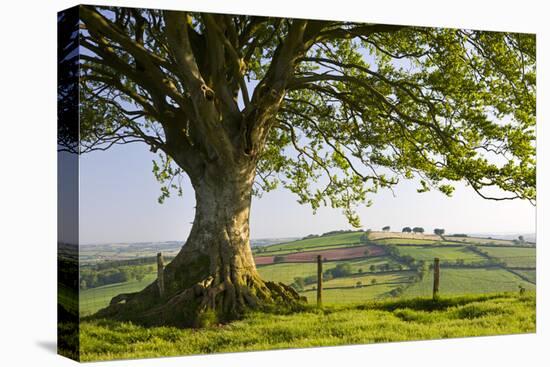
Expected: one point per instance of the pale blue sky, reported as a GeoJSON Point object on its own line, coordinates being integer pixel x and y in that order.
{"type": "Point", "coordinates": [119, 193]}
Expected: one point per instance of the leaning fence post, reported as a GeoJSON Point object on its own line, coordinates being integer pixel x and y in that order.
{"type": "Point", "coordinates": [319, 281]}
{"type": "Point", "coordinates": [436, 279]}
{"type": "Point", "coordinates": [160, 274]}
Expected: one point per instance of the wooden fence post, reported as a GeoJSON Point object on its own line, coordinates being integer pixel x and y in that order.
{"type": "Point", "coordinates": [436, 279]}
{"type": "Point", "coordinates": [319, 281]}
{"type": "Point", "coordinates": [160, 273]}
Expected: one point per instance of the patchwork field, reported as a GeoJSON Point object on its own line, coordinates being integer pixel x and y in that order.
{"type": "Point", "coordinates": [365, 259]}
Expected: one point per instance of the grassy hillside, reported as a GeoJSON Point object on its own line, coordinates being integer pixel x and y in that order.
{"type": "Point", "coordinates": [331, 240]}
{"type": "Point", "coordinates": [375, 322]}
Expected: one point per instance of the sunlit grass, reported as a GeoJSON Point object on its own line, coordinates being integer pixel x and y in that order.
{"type": "Point", "coordinates": [382, 321]}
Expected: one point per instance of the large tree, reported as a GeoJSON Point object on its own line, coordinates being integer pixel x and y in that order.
{"type": "Point", "coordinates": [331, 110]}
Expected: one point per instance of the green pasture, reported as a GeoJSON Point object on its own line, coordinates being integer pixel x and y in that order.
{"type": "Point", "coordinates": [372, 322]}
{"type": "Point", "coordinates": [444, 253]}
{"type": "Point", "coordinates": [469, 281]}
{"type": "Point", "coordinates": [93, 299]}
{"type": "Point", "coordinates": [513, 256]}
{"type": "Point", "coordinates": [337, 239]}
{"type": "Point", "coordinates": [286, 272]}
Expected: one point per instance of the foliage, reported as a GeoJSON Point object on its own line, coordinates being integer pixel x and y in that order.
{"type": "Point", "coordinates": [92, 277]}
{"type": "Point", "coordinates": [332, 111]}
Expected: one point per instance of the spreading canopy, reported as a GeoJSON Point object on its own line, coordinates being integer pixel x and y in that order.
{"type": "Point", "coordinates": [331, 110]}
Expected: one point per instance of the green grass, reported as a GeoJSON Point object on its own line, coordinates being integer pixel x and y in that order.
{"type": "Point", "coordinates": [374, 322]}
{"type": "Point", "coordinates": [286, 272]}
{"type": "Point", "coordinates": [530, 275]}
{"type": "Point", "coordinates": [344, 290]}
{"type": "Point", "coordinates": [337, 239]}
{"type": "Point", "coordinates": [480, 240]}
{"type": "Point", "coordinates": [428, 253]}
{"type": "Point", "coordinates": [92, 300]}
{"type": "Point", "coordinates": [513, 256]}
{"type": "Point", "coordinates": [67, 298]}
{"type": "Point", "coordinates": [412, 241]}
{"type": "Point", "coordinates": [467, 281]}
{"type": "Point", "coordinates": [292, 249]}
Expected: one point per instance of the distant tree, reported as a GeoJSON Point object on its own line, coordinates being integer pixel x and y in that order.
{"type": "Point", "coordinates": [386, 228]}
{"type": "Point", "coordinates": [278, 259]}
{"type": "Point", "coordinates": [373, 281]}
{"type": "Point", "coordinates": [360, 270]}
{"type": "Point", "coordinates": [341, 270]}
{"type": "Point", "coordinates": [406, 230]}
{"type": "Point", "coordinates": [439, 231]}
{"type": "Point", "coordinates": [521, 239]}
{"type": "Point", "coordinates": [372, 268]}
{"type": "Point", "coordinates": [359, 284]}
{"type": "Point", "coordinates": [418, 230]}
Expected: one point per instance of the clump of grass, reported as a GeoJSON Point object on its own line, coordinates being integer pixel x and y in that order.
{"type": "Point", "coordinates": [207, 318]}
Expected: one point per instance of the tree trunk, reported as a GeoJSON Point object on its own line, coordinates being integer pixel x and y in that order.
{"type": "Point", "coordinates": [215, 270]}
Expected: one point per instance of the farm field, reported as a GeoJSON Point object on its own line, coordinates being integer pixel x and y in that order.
{"type": "Point", "coordinates": [381, 321]}
{"type": "Point", "coordinates": [290, 250]}
{"type": "Point", "coordinates": [378, 235]}
{"type": "Point", "coordinates": [513, 256]}
{"type": "Point", "coordinates": [93, 299]}
{"type": "Point", "coordinates": [469, 281]}
{"type": "Point", "coordinates": [412, 241]}
{"type": "Point", "coordinates": [337, 239]}
{"type": "Point", "coordinates": [286, 272]}
{"type": "Point", "coordinates": [444, 253]}
{"type": "Point", "coordinates": [332, 254]}
{"type": "Point", "coordinates": [530, 275]}
{"type": "Point", "coordinates": [389, 271]}
{"type": "Point", "coordinates": [481, 241]}
{"type": "Point", "coordinates": [345, 290]}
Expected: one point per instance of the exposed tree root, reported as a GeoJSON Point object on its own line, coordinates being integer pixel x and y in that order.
{"type": "Point", "coordinates": [187, 307]}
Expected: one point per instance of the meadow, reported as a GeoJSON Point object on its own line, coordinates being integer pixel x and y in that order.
{"type": "Point", "coordinates": [93, 299]}
{"type": "Point", "coordinates": [469, 281]}
{"type": "Point", "coordinates": [362, 323]}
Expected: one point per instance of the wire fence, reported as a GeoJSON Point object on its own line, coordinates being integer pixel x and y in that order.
{"type": "Point", "coordinates": [352, 275]}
